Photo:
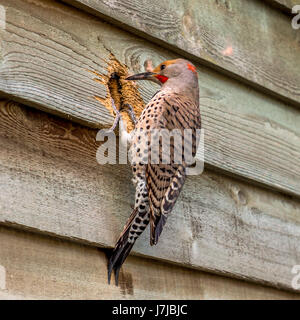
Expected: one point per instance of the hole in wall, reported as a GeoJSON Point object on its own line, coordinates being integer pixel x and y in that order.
{"type": "Point", "coordinates": [121, 90]}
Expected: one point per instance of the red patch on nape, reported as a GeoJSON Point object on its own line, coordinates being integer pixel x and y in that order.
{"type": "Point", "coordinates": [191, 67]}
{"type": "Point", "coordinates": [161, 78]}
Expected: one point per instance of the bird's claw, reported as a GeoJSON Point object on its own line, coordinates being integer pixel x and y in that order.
{"type": "Point", "coordinates": [118, 115]}
{"type": "Point", "coordinates": [117, 118]}
{"type": "Point", "coordinates": [131, 113]}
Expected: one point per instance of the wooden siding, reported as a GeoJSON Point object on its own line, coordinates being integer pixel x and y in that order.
{"type": "Point", "coordinates": [239, 37]}
{"type": "Point", "coordinates": [240, 219]}
{"type": "Point", "coordinates": [45, 63]}
{"type": "Point", "coordinates": [221, 225]}
{"type": "Point", "coordinates": [55, 269]}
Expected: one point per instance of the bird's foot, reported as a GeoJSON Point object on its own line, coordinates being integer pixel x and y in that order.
{"type": "Point", "coordinates": [117, 118]}
{"type": "Point", "coordinates": [119, 115]}
{"type": "Point", "coordinates": [131, 113]}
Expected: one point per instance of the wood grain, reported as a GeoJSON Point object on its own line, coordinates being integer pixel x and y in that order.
{"type": "Point", "coordinates": [45, 62]}
{"type": "Point", "coordinates": [51, 183]}
{"type": "Point", "coordinates": [39, 267]}
{"type": "Point", "coordinates": [250, 40]}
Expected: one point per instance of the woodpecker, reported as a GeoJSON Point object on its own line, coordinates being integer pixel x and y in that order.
{"type": "Point", "coordinates": [158, 183]}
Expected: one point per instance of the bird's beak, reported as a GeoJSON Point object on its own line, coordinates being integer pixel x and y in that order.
{"type": "Point", "coordinates": [143, 76]}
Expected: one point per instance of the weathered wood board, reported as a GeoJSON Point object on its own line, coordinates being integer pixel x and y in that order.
{"type": "Point", "coordinates": [45, 62]}
{"type": "Point", "coordinates": [39, 267]}
{"type": "Point", "coordinates": [50, 182]}
{"type": "Point", "coordinates": [240, 37]}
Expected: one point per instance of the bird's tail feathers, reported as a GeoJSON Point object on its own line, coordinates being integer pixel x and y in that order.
{"type": "Point", "coordinates": [159, 220]}
{"type": "Point", "coordinates": [121, 250]}
{"type": "Point", "coordinates": [157, 229]}
{"type": "Point", "coordinates": [131, 232]}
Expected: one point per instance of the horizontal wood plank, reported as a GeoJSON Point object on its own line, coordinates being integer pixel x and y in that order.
{"type": "Point", "coordinates": [50, 182]}
{"type": "Point", "coordinates": [45, 61]}
{"type": "Point", "coordinates": [39, 267]}
{"type": "Point", "coordinates": [250, 40]}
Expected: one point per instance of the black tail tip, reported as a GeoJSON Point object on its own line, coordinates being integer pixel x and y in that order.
{"type": "Point", "coordinates": [159, 227]}
{"type": "Point", "coordinates": [116, 277]}
{"type": "Point", "coordinates": [116, 270]}
{"type": "Point", "coordinates": [108, 275]}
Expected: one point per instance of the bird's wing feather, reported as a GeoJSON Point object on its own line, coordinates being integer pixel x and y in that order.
{"type": "Point", "coordinates": [165, 181]}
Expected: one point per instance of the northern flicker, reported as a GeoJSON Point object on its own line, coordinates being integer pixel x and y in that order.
{"type": "Point", "coordinates": [174, 106]}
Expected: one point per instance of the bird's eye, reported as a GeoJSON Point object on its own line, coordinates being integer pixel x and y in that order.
{"type": "Point", "coordinates": [162, 67]}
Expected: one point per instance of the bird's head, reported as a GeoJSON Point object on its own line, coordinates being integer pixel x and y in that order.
{"type": "Point", "coordinates": [179, 69]}
{"type": "Point", "coordinates": [177, 75]}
